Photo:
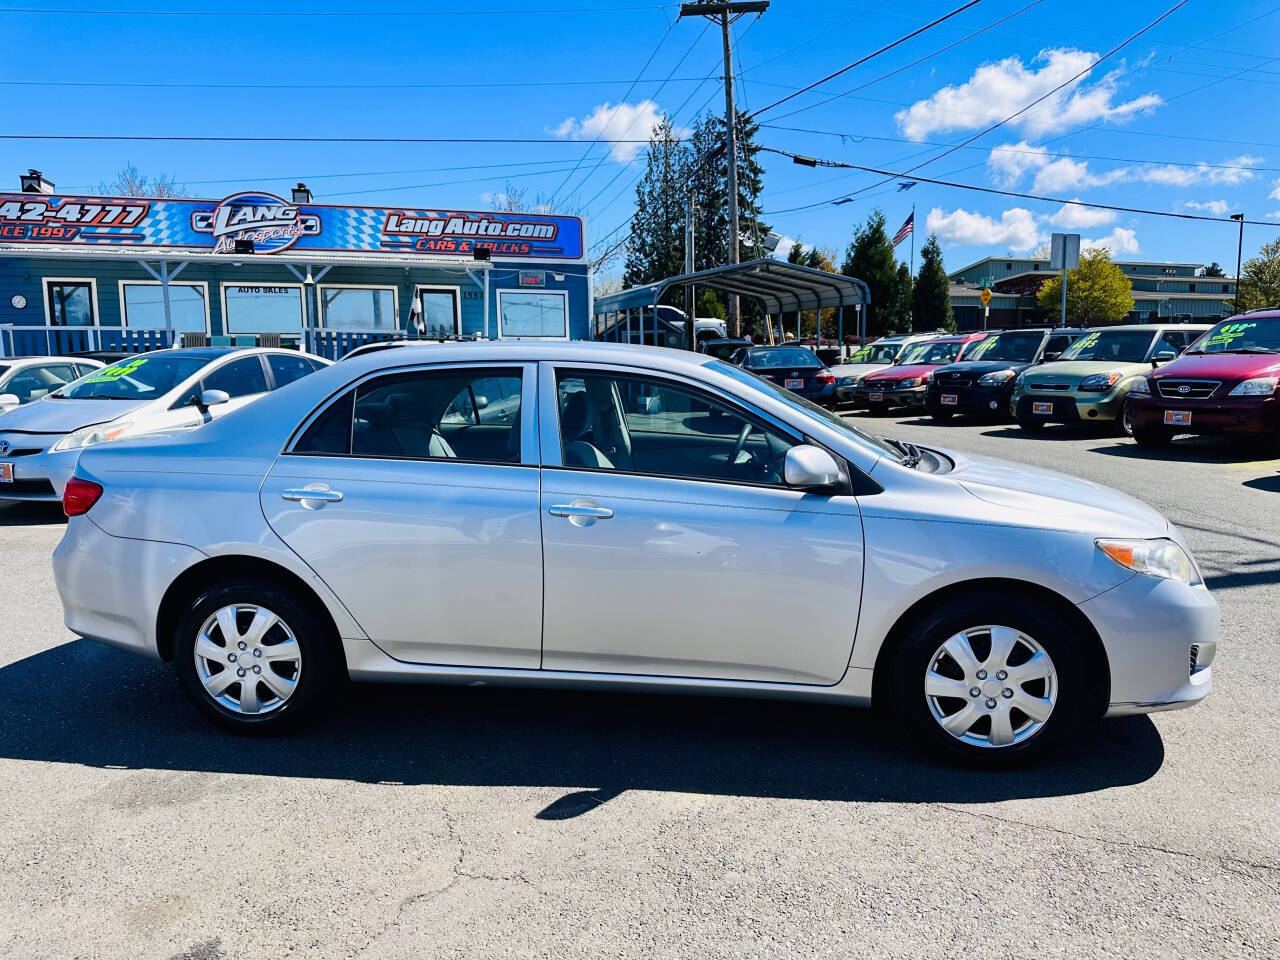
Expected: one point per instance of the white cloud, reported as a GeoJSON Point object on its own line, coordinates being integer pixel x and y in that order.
{"type": "Point", "coordinates": [1067, 174]}
{"type": "Point", "coordinates": [1275, 193]}
{"type": "Point", "coordinates": [1230, 172]}
{"type": "Point", "coordinates": [1015, 230]}
{"type": "Point", "coordinates": [1073, 216]}
{"type": "Point", "coordinates": [997, 90]}
{"type": "Point", "coordinates": [785, 245]}
{"type": "Point", "coordinates": [1010, 163]}
{"type": "Point", "coordinates": [622, 121]}
{"type": "Point", "coordinates": [1215, 207]}
{"type": "Point", "coordinates": [1118, 241]}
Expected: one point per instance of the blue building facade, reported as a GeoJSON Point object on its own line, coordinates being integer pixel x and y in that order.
{"type": "Point", "coordinates": [81, 273]}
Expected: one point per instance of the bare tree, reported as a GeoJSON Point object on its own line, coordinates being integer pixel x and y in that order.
{"type": "Point", "coordinates": [513, 199]}
{"type": "Point", "coordinates": [129, 182]}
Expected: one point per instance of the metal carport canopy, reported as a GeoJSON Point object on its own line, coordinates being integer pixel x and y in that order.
{"type": "Point", "coordinates": [782, 287]}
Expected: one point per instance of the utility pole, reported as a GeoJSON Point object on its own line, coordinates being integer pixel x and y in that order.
{"type": "Point", "coordinates": [726, 13]}
{"type": "Point", "coordinates": [690, 295]}
{"type": "Point", "coordinates": [1235, 306]}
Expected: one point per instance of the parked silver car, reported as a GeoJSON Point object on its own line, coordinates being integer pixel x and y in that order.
{"type": "Point", "coordinates": [167, 390]}
{"type": "Point", "coordinates": [602, 516]}
{"type": "Point", "coordinates": [24, 379]}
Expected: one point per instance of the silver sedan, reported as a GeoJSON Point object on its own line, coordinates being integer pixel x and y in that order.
{"type": "Point", "coordinates": [603, 516]}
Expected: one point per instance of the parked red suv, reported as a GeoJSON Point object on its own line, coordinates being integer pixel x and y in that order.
{"type": "Point", "coordinates": [903, 384]}
{"type": "Point", "coordinates": [1225, 384]}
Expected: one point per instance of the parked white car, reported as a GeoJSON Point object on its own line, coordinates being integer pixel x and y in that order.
{"type": "Point", "coordinates": [637, 519]}
{"type": "Point", "coordinates": [24, 379]}
{"type": "Point", "coordinates": [876, 355]}
{"type": "Point", "coordinates": [163, 391]}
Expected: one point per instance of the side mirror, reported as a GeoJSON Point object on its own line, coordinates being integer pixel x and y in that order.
{"type": "Point", "coordinates": [8, 401]}
{"type": "Point", "coordinates": [481, 401]}
{"type": "Point", "coordinates": [1164, 356]}
{"type": "Point", "coordinates": [1050, 356]}
{"type": "Point", "coordinates": [212, 398]}
{"type": "Point", "coordinates": [807, 467]}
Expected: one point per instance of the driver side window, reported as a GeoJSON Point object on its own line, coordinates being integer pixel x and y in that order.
{"type": "Point", "coordinates": [651, 426]}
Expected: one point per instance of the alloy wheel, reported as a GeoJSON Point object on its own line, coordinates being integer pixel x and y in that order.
{"type": "Point", "coordinates": [247, 659]}
{"type": "Point", "coordinates": [991, 686]}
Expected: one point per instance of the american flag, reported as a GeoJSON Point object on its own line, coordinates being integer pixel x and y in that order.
{"type": "Point", "coordinates": [904, 231]}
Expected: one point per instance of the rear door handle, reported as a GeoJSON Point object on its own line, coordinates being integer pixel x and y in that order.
{"type": "Point", "coordinates": [312, 496]}
{"type": "Point", "coordinates": [582, 512]}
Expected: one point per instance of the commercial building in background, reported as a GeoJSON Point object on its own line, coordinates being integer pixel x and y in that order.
{"type": "Point", "coordinates": [1162, 293]}
{"type": "Point", "coordinates": [81, 273]}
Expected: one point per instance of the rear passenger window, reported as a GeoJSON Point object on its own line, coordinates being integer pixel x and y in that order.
{"type": "Point", "coordinates": [286, 369]}
{"type": "Point", "coordinates": [239, 378]}
{"type": "Point", "coordinates": [471, 415]}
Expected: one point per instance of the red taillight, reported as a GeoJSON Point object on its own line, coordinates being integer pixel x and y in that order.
{"type": "Point", "coordinates": [79, 496]}
{"type": "Point", "coordinates": [824, 376]}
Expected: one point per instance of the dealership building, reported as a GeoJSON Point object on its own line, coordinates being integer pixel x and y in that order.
{"type": "Point", "coordinates": [1162, 292]}
{"type": "Point", "coordinates": [85, 273]}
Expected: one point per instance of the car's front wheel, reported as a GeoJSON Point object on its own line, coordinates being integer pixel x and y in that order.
{"type": "Point", "coordinates": [990, 680]}
{"type": "Point", "coordinates": [941, 414]}
{"type": "Point", "coordinates": [1031, 426]}
{"type": "Point", "coordinates": [253, 657]}
{"type": "Point", "coordinates": [1153, 438]}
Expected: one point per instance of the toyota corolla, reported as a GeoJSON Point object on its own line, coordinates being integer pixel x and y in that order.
{"type": "Point", "coordinates": [626, 523]}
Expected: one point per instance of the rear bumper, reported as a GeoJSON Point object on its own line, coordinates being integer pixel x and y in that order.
{"type": "Point", "coordinates": [1247, 415]}
{"type": "Point", "coordinates": [1149, 627]}
{"type": "Point", "coordinates": [111, 587]}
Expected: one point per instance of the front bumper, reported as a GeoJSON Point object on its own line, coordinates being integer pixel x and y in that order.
{"type": "Point", "coordinates": [973, 399]}
{"type": "Point", "coordinates": [111, 587]}
{"type": "Point", "coordinates": [1238, 415]}
{"type": "Point", "coordinates": [910, 397]}
{"type": "Point", "coordinates": [1070, 406]}
{"type": "Point", "coordinates": [1149, 626]}
{"type": "Point", "coordinates": [38, 476]}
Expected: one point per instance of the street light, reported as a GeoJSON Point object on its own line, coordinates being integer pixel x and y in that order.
{"type": "Point", "coordinates": [1239, 218]}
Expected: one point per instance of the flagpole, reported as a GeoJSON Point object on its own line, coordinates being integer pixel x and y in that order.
{"type": "Point", "coordinates": [913, 240]}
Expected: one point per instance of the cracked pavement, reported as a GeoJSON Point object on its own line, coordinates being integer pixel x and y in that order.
{"type": "Point", "coordinates": [421, 822]}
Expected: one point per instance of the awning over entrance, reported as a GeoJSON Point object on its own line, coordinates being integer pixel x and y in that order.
{"type": "Point", "coordinates": [781, 287]}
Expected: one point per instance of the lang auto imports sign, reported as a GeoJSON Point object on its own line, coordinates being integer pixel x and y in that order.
{"type": "Point", "coordinates": [275, 225]}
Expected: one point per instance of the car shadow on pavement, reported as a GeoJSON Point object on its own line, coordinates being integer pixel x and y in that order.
{"type": "Point", "coordinates": [15, 514]}
{"type": "Point", "coordinates": [1268, 484]}
{"type": "Point", "coordinates": [84, 703]}
{"type": "Point", "coordinates": [1190, 449]}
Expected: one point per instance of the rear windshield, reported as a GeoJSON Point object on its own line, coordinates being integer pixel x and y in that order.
{"type": "Point", "coordinates": [1020, 347]}
{"type": "Point", "coordinates": [933, 352]}
{"type": "Point", "coordinates": [723, 351]}
{"type": "Point", "coordinates": [1118, 346]}
{"type": "Point", "coordinates": [876, 353]}
{"type": "Point", "coordinates": [137, 378]}
{"type": "Point", "coordinates": [1241, 336]}
{"type": "Point", "coordinates": [770, 357]}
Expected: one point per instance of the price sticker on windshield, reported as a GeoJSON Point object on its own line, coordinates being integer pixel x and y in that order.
{"type": "Point", "coordinates": [111, 374]}
{"type": "Point", "coordinates": [1229, 333]}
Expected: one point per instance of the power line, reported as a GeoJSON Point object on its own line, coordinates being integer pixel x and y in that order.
{"type": "Point", "coordinates": [904, 175]}
{"type": "Point", "coordinates": [389, 85]}
{"type": "Point", "coordinates": [184, 138]}
{"type": "Point", "coordinates": [875, 53]}
{"type": "Point", "coordinates": [332, 14]}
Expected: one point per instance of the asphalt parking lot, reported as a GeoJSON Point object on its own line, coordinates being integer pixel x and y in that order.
{"type": "Point", "coordinates": [420, 822]}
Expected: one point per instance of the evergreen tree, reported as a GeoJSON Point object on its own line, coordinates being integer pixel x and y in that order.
{"type": "Point", "coordinates": [931, 297]}
{"type": "Point", "coordinates": [870, 258]}
{"type": "Point", "coordinates": [902, 305]}
{"type": "Point", "coordinates": [655, 249]}
{"type": "Point", "coordinates": [1213, 270]}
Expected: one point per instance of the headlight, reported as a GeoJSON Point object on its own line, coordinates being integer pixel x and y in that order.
{"type": "Point", "coordinates": [999, 376]}
{"type": "Point", "coordinates": [1099, 381]}
{"type": "Point", "coordinates": [88, 436]}
{"type": "Point", "coordinates": [1257, 387]}
{"type": "Point", "coordinates": [1141, 386]}
{"type": "Point", "coordinates": [908, 383]}
{"type": "Point", "coordinates": [1155, 558]}
{"type": "Point", "coordinates": [847, 381]}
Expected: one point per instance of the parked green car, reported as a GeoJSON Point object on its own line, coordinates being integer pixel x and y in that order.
{"type": "Point", "coordinates": [1088, 383]}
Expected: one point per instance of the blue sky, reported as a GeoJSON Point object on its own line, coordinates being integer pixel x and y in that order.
{"type": "Point", "coordinates": [1137, 131]}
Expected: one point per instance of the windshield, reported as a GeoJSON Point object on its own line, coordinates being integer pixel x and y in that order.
{"type": "Point", "coordinates": [137, 378]}
{"type": "Point", "coordinates": [770, 357]}
{"type": "Point", "coordinates": [1241, 336]}
{"type": "Point", "coordinates": [930, 351]}
{"type": "Point", "coordinates": [1118, 346]}
{"type": "Point", "coordinates": [1018, 347]}
{"type": "Point", "coordinates": [723, 351]}
{"type": "Point", "coordinates": [797, 402]}
{"type": "Point", "coordinates": [876, 353]}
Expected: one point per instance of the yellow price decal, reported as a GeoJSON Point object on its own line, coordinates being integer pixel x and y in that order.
{"type": "Point", "coordinates": [111, 374]}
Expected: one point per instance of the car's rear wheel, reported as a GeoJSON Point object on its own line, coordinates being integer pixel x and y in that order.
{"type": "Point", "coordinates": [253, 657]}
{"type": "Point", "coordinates": [990, 680]}
{"type": "Point", "coordinates": [1154, 438]}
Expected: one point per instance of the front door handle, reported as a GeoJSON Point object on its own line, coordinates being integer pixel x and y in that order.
{"type": "Point", "coordinates": [313, 496]}
{"type": "Point", "coordinates": [581, 512]}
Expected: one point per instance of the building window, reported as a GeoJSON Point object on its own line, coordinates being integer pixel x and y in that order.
{"type": "Point", "coordinates": [524, 315]}
{"type": "Point", "coordinates": [70, 302]}
{"type": "Point", "coordinates": [262, 309]}
{"type": "Point", "coordinates": [1191, 288]}
{"type": "Point", "coordinates": [142, 306]}
{"type": "Point", "coordinates": [359, 308]}
{"type": "Point", "coordinates": [440, 315]}
{"type": "Point", "coordinates": [1008, 266]}
{"type": "Point", "coordinates": [1224, 288]}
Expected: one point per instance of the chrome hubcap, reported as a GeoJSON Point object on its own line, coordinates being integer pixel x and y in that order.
{"type": "Point", "coordinates": [991, 686]}
{"type": "Point", "coordinates": [248, 659]}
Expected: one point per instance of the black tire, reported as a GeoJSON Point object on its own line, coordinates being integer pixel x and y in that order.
{"type": "Point", "coordinates": [1031, 426]}
{"type": "Point", "coordinates": [1153, 438]}
{"type": "Point", "coordinates": [942, 414]}
{"type": "Point", "coordinates": [318, 668]}
{"type": "Point", "coordinates": [908, 664]}
{"type": "Point", "coordinates": [880, 410]}
{"type": "Point", "coordinates": [1123, 425]}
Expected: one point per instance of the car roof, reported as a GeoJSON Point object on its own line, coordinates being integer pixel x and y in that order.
{"type": "Point", "coordinates": [526, 351]}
